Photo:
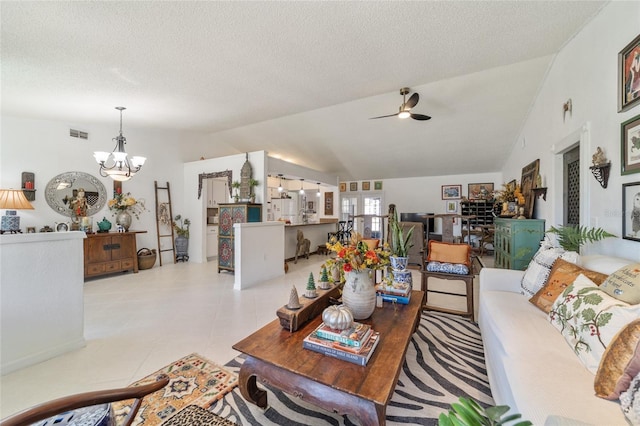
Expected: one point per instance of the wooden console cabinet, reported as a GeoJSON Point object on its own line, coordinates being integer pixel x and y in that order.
{"type": "Point", "coordinates": [109, 252]}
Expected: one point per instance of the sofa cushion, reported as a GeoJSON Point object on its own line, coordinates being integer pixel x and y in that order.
{"type": "Point", "coordinates": [624, 284]}
{"type": "Point", "coordinates": [620, 363]}
{"type": "Point", "coordinates": [630, 401]}
{"type": "Point", "coordinates": [532, 369]}
{"type": "Point", "coordinates": [448, 268]}
{"type": "Point", "coordinates": [589, 318]}
{"type": "Point", "coordinates": [562, 274]}
{"type": "Point", "coordinates": [537, 273]}
{"type": "Point", "coordinates": [449, 253]}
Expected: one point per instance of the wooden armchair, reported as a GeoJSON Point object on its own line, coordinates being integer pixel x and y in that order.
{"type": "Point", "coordinates": [73, 402]}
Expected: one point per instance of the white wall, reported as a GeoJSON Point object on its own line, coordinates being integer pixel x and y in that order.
{"type": "Point", "coordinates": [195, 209]}
{"type": "Point", "coordinates": [585, 71]}
{"type": "Point", "coordinates": [45, 148]}
{"type": "Point", "coordinates": [424, 194]}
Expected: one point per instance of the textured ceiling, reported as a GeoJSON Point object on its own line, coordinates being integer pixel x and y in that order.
{"type": "Point", "coordinates": [298, 79]}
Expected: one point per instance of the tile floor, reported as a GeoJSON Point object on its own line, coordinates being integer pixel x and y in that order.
{"type": "Point", "coordinates": [137, 323]}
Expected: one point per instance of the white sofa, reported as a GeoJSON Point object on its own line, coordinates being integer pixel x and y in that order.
{"type": "Point", "coordinates": [530, 366]}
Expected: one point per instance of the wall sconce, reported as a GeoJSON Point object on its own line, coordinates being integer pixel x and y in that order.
{"type": "Point", "coordinates": [601, 167]}
{"type": "Point", "coordinates": [566, 107]}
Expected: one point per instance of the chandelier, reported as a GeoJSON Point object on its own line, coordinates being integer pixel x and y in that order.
{"type": "Point", "coordinates": [115, 164]}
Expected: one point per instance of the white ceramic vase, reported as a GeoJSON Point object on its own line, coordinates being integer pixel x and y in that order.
{"type": "Point", "coordinates": [359, 293]}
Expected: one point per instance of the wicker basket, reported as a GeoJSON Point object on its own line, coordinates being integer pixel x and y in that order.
{"type": "Point", "coordinates": [146, 258]}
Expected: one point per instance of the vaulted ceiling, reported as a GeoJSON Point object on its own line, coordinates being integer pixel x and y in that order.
{"type": "Point", "coordinates": [297, 79]}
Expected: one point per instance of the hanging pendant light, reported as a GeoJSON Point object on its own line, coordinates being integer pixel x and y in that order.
{"type": "Point", "coordinates": [122, 168]}
{"type": "Point", "coordinates": [301, 186]}
{"type": "Point", "coordinates": [280, 188]}
{"type": "Point", "coordinates": [318, 193]}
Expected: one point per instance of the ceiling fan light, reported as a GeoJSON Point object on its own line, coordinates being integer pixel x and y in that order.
{"type": "Point", "coordinates": [404, 114]}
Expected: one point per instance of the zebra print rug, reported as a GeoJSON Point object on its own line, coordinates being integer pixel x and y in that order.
{"type": "Point", "coordinates": [445, 360]}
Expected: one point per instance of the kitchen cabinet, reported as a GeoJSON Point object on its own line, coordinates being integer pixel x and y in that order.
{"type": "Point", "coordinates": [216, 192]}
{"type": "Point", "coordinates": [516, 241]}
{"type": "Point", "coordinates": [230, 214]}
{"type": "Point", "coordinates": [212, 240]}
{"type": "Point", "coordinates": [109, 252]}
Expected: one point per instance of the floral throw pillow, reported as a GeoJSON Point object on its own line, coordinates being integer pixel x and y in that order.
{"type": "Point", "coordinates": [448, 268]}
{"type": "Point", "coordinates": [589, 319]}
{"type": "Point", "coordinates": [537, 273]}
{"type": "Point", "coordinates": [562, 274]}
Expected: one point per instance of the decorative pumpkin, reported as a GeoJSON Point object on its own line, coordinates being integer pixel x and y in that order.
{"type": "Point", "coordinates": [337, 317]}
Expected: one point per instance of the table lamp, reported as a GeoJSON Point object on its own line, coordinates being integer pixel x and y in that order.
{"type": "Point", "coordinates": [12, 199]}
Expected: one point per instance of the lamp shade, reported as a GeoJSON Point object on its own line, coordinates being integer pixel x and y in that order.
{"type": "Point", "coordinates": [14, 199]}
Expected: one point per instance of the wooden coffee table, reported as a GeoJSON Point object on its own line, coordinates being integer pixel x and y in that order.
{"type": "Point", "coordinates": [277, 358]}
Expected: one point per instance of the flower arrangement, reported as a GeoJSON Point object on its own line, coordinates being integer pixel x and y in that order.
{"type": "Point", "coordinates": [356, 256]}
{"type": "Point", "coordinates": [126, 203]}
{"type": "Point", "coordinates": [183, 229]}
{"type": "Point", "coordinates": [510, 193]}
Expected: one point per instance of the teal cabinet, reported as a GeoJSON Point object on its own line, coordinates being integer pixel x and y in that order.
{"type": "Point", "coordinates": [228, 215]}
{"type": "Point", "coordinates": [516, 241]}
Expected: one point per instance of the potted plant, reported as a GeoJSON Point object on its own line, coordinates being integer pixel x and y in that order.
{"type": "Point", "coordinates": [252, 184]}
{"type": "Point", "coordinates": [467, 412]}
{"type": "Point", "coordinates": [572, 237]}
{"type": "Point", "coordinates": [236, 185]}
{"type": "Point", "coordinates": [182, 240]}
{"type": "Point", "coordinates": [399, 243]}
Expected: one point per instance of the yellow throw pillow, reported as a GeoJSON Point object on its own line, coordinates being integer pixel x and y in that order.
{"type": "Point", "coordinates": [449, 253]}
{"type": "Point", "coordinates": [620, 363]}
{"type": "Point", "coordinates": [624, 284]}
{"type": "Point", "coordinates": [562, 275]}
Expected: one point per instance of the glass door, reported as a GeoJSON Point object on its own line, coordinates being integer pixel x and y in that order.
{"type": "Point", "coordinates": [364, 210]}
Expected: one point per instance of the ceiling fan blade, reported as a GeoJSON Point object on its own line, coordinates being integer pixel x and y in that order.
{"type": "Point", "coordinates": [384, 116]}
{"type": "Point", "coordinates": [420, 117]}
{"type": "Point", "coordinates": [413, 100]}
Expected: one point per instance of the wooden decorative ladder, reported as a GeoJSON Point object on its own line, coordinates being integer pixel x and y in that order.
{"type": "Point", "coordinates": [162, 208]}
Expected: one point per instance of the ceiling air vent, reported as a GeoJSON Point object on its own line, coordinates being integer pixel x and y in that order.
{"type": "Point", "coordinates": [78, 134]}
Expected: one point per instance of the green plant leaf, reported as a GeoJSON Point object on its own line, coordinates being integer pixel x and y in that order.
{"type": "Point", "coordinates": [443, 420]}
{"type": "Point", "coordinates": [494, 413]}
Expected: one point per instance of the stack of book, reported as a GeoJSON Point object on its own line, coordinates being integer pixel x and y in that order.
{"type": "Point", "coordinates": [355, 344]}
{"type": "Point", "coordinates": [395, 292]}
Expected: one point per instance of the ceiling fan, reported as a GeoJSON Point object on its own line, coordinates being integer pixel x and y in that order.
{"type": "Point", "coordinates": [405, 108]}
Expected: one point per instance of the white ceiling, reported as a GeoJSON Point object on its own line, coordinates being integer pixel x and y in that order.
{"type": "Point", "coordinates": [297, 79]}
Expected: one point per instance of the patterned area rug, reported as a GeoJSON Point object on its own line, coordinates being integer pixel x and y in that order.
{"type": "Point", "coordinates": [197, 416]}
{"type": "Point", "coordinates": [445, 360]}
{"type": "Point", "coordinates": [194, 380]}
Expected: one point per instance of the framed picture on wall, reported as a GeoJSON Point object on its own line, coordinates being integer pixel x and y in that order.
{"type": "Point", "coordinates": [631, 211]}
{"type": "Point", "coordinates": [328, 203]}
{"type": "Point", "coordinates": [452, 207]}
{"type": "Point", "coordinates": [629, 75]}
{"type": "Point", "coordinates": [366, 186]}
{"type": "Point", "coordinates": [480, 191]}
{"type": "Point", "coordinates": [343, 187]}
{"type": "Point", "coordinates": [377, 185]}
{"type": "Point", "coordinates": [527, 183]}
{"type": "Point", "coordinates": [451, 192]}
{"type": "Point", "coordinates": [630, 149]}
{"type": "Point", "coordinates": [353, 186]}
